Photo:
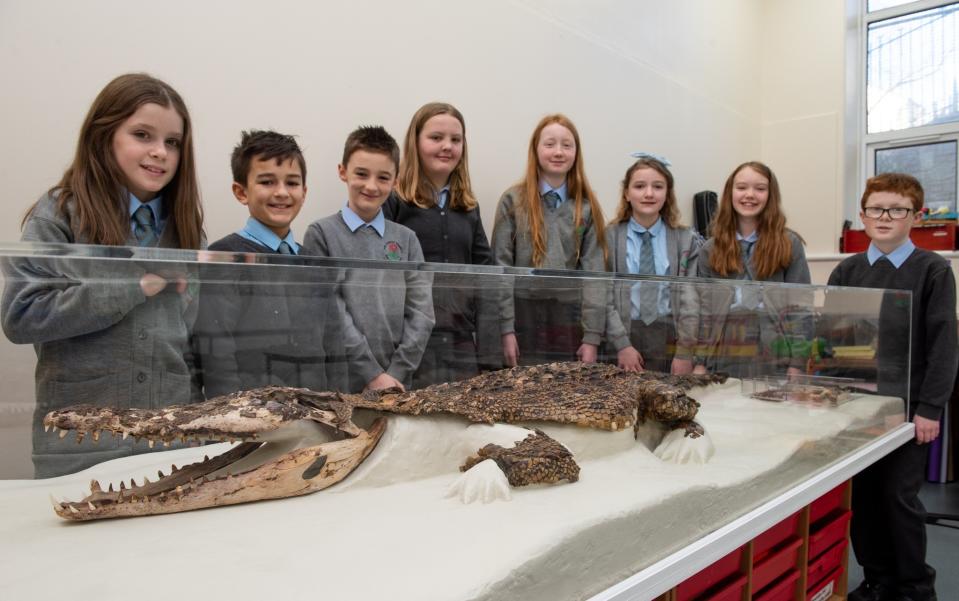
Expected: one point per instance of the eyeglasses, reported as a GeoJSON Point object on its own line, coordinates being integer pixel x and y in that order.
{"type": "Point", "coordinates": [894, 212]}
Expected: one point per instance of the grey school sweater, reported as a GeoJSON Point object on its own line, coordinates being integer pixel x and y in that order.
{"type": "Point", "coordinates": [565, 249]}
{"type": "Point", "coordinates": [388, 313]}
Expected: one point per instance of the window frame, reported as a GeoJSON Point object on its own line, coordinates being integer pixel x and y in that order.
{"type": "Point", "coordinates": [860, 147]}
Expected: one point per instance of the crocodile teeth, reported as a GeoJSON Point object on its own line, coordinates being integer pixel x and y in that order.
{"type": "Point", "coordinates": [63, 433]}
{"type": "Point", "coordinates": [151, 443]}
{"type": "Point", "coordinates": [125, 434]}
{"type": "Point", "coordinates": [46, 427]}
{"type": "Point", "coordinates": [91, 506]}
{"type": "Point", "coordinates": [95, 486]}
{"type": "Point", "coordinates": [96, 436]}
{"type": "Point", "coordinates": [160, 474]}
{"type": "Point", "coordinates": [73, 509]}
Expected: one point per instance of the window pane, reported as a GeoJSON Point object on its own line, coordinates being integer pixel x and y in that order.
{"type": "Point", "coordinates": [912, 73]}
{"type": "Point", "coordinates": [874, 5]}
{"type": "Point", "coordinates": [934, 165]}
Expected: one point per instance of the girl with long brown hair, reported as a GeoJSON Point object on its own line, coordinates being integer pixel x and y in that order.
{"type": "Point", "coordinates": [742, 326]}
{"type": "Point", "coordinates": [650, 325]}
{"type": "Point", "coordinates": [434, 198]}
{"type": "Point", "coordinates": [552, 220]}
{"type": "Point", "coordinates": [111, 332]}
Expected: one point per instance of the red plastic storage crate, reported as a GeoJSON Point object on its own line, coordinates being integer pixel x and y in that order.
{"type": "Point", "coordinates": [777, 563]}
{"type": "Point", "coordinates": [827, 562]}
{"type": "Point", "coordinates": [826, 504]}
{"type": "Point", "coordinates": [728, 567]}
{"type": "Point", "coordinates": [732, 591]}
{"type": "Point", "coordinates": [828, 534]}
{"type": "Point", "coordinates": [940, 236]}
{"type": "Point", "coordinates": [783, 589]}
{"type": "Point", "coordinates": [775, 536]}
{"type": "Point", "coordinates": [825, 589]}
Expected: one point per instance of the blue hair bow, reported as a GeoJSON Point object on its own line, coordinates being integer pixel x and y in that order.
{"type": "Point", "coordinates": [648, 155]}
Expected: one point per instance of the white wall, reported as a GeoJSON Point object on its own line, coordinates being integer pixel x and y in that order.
{"type": "Point", "coordinates": [674, 78]}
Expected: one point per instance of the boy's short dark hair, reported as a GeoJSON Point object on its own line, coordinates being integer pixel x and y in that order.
{"type": "Point", "coordinates": [897, 183]}
{"type": "Point", "coordinates": [264, 145]}
{"type": "Point", "coordinates": [371, 138]}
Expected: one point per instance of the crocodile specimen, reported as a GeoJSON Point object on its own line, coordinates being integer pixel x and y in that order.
{"type": "Point", "coordinates": [295, 441]}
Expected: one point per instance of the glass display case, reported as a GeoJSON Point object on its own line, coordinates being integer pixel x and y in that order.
{"type": "Point", "coordinates": [270, 425]}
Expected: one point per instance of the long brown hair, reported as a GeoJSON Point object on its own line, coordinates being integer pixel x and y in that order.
{"type": "Point", "coordinates": [577, 187]}
{"type": "Point", "coordinates": [773, 250]}
{"type": "Point", "coordinates": [95, 184]}
{"type": "Point", "coordinates": [417, 189]}
{"type": "Point", "coordinates": [670, 209]}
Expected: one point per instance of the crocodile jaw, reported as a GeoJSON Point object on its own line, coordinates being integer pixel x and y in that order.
{"type": "Point", "coordinates": [211, 483]}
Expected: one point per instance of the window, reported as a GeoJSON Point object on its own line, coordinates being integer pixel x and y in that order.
{"type": "Point", "coordinates": [907, 60]}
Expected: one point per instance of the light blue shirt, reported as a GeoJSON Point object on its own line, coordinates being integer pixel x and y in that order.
{"type": "Point", "coordinates": [156, 206]}
{"type": "Point", "coordinates": [264, 236]}
{"type": "Point", "coordinates": [355, 222]}
{"type": "Point", "coordinates": [443, 196]}
{"type": "Point", "coordinates": [896, 257]}
{"type": "Point", "coordinates": [634, 245]}
{"type": "Point", "coordinates": [545, 187]}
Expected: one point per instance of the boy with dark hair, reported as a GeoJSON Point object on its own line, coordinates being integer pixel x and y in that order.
{"type": "Point", "coordinates": [251, 330]}
{"type": "Point", "coordinates": [888, 524]}
{"type": "Point", "coordinates": [388, 313]}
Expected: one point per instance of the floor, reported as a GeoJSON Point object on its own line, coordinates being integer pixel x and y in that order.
{"type": "Point", "coordinates": [943, 540]}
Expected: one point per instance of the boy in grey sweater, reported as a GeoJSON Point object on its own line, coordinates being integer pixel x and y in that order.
{"type": "Point", "coordinates": [388, 312]}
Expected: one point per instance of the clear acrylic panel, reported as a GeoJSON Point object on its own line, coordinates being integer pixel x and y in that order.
{"type": "Point", "coordinates": [912, 70]}
{"type": "Point", "coordinates": [934, 165]}
{"type": "Point", "coordinates": [652, 470]}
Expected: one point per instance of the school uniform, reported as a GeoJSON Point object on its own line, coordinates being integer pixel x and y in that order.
{"type": "Point", "coordinates": [256, 324]}
{"type": "Point", "coordinates": [888, 529]}
{"type": "Point", "coordinates": [388, 313]}
{"type": "Point", "coordinates": [550, 317]}
{"type": "Point", "coordinates": [673, 318]}
{"type": "Point", "coordinates": [450, 236]}
{"type": "Point", "coordinates": [98, 338]}
{"type": "Point", "coordinates": [748, 331]}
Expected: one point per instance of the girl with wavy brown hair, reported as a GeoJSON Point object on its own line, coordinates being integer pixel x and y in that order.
{"type": "Point", "coordinates": [111, 332]}
{"type": "Point", "coordinates": [551, 219]}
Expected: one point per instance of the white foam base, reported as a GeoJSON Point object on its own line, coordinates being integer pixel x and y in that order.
{"type": "Point", "coordinates": [389, 531]}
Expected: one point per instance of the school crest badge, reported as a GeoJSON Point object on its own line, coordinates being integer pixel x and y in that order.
{"type": "Point", "coordinates": [393, 250]}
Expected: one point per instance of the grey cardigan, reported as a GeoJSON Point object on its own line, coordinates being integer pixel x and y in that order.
{"type": "Point", "coordinates": [782, 303]}
{"type": "Point", "coordinates": [513, 247]}
{"type": "Point", "coordinates": [682, 247]}
{"type": "Point", "coordinates": [98, 339]}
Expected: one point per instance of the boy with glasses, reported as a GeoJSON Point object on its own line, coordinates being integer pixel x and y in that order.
{"type": "Point", "coordinates": [888, 525]}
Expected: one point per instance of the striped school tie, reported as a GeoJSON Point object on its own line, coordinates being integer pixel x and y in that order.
{"type": "Point", "coordinates": [144, 226]}
{"type": "Point", "coordinates": [552, 199]}
{"type": "Point", "coordinates": [648, 291]}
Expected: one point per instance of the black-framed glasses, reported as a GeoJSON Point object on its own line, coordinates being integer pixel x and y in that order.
{"type": "Point", "coordinates": [894, 212]}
